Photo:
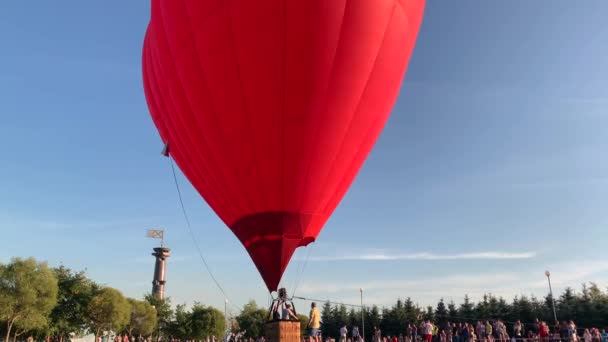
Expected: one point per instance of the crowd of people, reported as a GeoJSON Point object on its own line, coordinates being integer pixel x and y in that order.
{"type": "Point", "coordinates": [427, 331]}
{"type": "Point", "coordinates": [482, 331]}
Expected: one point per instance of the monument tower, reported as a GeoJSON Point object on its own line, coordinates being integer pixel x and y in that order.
{"type": "Point", "coordinates": [161, 254]}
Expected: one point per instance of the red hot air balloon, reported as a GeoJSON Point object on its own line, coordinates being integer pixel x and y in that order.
{"type": "Point", "coordinates": [270, 107]}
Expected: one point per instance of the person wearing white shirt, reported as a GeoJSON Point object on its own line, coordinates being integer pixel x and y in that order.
{"type": "Point", "coordinates": [343, 333]}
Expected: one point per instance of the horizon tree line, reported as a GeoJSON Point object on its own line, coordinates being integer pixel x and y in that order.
{"type": "Point", "coordinates": [588, 308]}
{"type": "Point", "coordinates": [55, 304]}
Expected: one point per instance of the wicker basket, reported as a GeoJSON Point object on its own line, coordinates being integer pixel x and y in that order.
{"type": "Point", "coordinates": [282, 331]}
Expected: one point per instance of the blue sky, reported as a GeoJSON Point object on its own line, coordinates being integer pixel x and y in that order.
{"type": "Point", "coordinates": [491, 169]}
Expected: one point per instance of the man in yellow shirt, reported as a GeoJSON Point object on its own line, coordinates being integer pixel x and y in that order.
{"type": "Point", "coordinates": [314, 323]}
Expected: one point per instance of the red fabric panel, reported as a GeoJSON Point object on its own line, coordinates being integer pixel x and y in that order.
{"type": "Point", "coordinates": [270, 107]}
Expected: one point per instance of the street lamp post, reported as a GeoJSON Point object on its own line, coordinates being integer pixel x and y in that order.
{"type": "Point", "coordinates": [362, 316]}
{"type": "Point", "coordinates": [226, 316]}
{"type": "Point", "coordinates": [157, 323]}
{"type": "Point", "coordinates": [548, 274]}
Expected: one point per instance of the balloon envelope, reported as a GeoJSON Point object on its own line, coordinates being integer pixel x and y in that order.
{"type": "Point", "coordinates": [270, 107]}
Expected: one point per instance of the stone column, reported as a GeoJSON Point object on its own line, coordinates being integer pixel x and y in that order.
{"type": "Point", "coordinates": [158, 283]}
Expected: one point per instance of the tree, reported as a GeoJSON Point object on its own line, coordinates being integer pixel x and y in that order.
{"type": "Point", "coordinates": [538, 310]}
{"type": "Point", "coordinates": [502, 308]}
{"type": "Point", "coordinates": [492, 307]}
{"type": "Point", "coordinates": [466, 308]}
{"type": "Point", "coordinates": [395, 319]}
{"type": "Point", "coordinates": [143, 318]}
{"type": "Point", "coordinates": [206, 322]}
{"type": "Point", "coordinates": [374, 319]}
{"type": "Point", "coordinates": [27, 288]}
{"type": "Point", "coordinates": [164, 313]}
{"type": "Point", "coordinates": [386, 322]}
{"type": "Point", "coordinates": [179, 327]}
{"type": "Point", "coordinates": [441, 313]}
{"type": "Point", "coordinates": [28, 324]}
{"type": "Point", "coordinates": [75, 294]}
{"type": "Point", "coordinates": [354, 317]}
{"type": "Point", "coordinates": [251, 320]}
{"type": "Point", "coordinates": [598, 310]}
{"type": "Point", "coordinates": [329, 324]}
{"type": "Point", "coordinates": [452, 311]}
{"type": "Point", "coordinates": [524, 310]}
{"type": "Point", "coordinates": [429, 314]}
{"type": "Point", "coordinates": [567, 303]}
{"type": "Point", "coordinates": [108, 310]}
{"type": "Point", "coordinates": [482, 308]}
{"type": "Point", "coordinates": [595, 294]}
{"type": "Point", "coordinates": [303, 324]}
{"type": "Point", "coordinates": [342, 315]}
{"type": "Point", "coordinates": [411, 313]}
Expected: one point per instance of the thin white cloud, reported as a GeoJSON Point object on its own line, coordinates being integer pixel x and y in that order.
{"type": "Point", "coordinates": [427, 284]}
{"type": "Point", "coordinates": [45, 224]}
{"type": "Point", "coordinates": [428, 256]}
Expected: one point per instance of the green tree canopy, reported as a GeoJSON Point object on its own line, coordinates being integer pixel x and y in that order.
{"type": "Point", "coordinates": [27, 289]}
{"type": "Point", "coordinates": [164, 313]}
{"type": "Point", "coordinates": [179, 327]}
{"type": "Point", "coordinates": [251, 320]}
{"type": "Point", "coordinates": [452, 311]}
{"type": "Point", "coordinates": [108, 310]}
{"type": "Point", "coordinates": [441, 313]}
{"type": "Point", "coordinates": [75, 294]}
{"type": "Point", "coordinates": [466, 308]}
{"type": "Point", "coordinates": [29, 323]}
{"type": "Point", "coordinates": [303, 323]}
{"type": "Point", "coordinates": [143, 318]}
{"type": "Point", "coordinates": [206, 321]}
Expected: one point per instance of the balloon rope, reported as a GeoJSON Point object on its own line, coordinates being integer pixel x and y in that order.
{"type": "Point", "coordinates": [326, 301]}
{"type": "Point", "coordinates": [295, 280]}
{"type": "Point", "coordinates": [198, 248]}
{"type": "Point", "coordinates": [299, 276]}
